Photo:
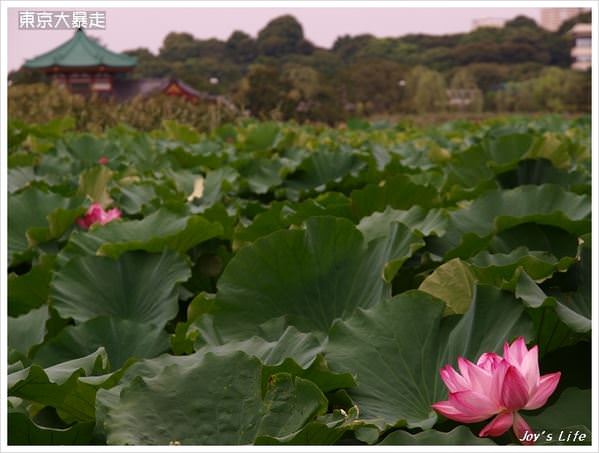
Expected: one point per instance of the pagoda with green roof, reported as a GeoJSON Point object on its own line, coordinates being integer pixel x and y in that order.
{"type": "Point", "coordinates": [84, 66]}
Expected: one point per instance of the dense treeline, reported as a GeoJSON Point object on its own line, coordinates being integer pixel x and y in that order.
{"type": "Point", "coordinates": [281, 74]}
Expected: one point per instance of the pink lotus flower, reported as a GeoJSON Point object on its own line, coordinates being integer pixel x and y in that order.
{"type": "Point", "coordinates": [103, 160]}
{"type": "Point", "coordinates": [499, 386]}
{"type": "Point", "coordinates": [95, 214]}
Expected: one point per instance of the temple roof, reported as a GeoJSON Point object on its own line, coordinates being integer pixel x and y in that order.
{"type": "Point", "coordinates": [126, 89]}
{"type": "Point", "coordinates": [80, 52]}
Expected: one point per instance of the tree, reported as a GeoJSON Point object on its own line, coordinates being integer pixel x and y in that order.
{"type": "Point", "coordinates": [428, 92]}
{"type": "Point", "coordinates": [349, 47]}
{"type": "Point", "coordinates": [266, 91]}
{"type": "Point", "coordinates": [241, 47]}
{"type": "Point", "coordinates": [312, 97]}
{"type": "Point", "coordinates": [148, 64]}
{"type": "Point", "coordinates": [521, 21]}
{"type": "Point", "coordinates": [302, 79]}
{"type": "Point", "coordinates": [325, 62]}
{"type": "Point", "coordinates": [559, 90]}
{"type": "Point", "coordinates": [198, 72]}
{"type": "Point", "coordinates": [281, 36]}
{"type": "Point", "coordinates": [489, 76]}
{"type": "Point", "coordinates": [26, 76]}
{"type": "Point", "coordinates": [554, 90]}
{"type": "Point", "coordinates": [566, 26]}
{"type": "Point", "coordinates": [438, 58]}
{"type": "Point", "coordinates": [179, 46]}
{"type": "Point", "coordinates": [464, 89]}
{"type": "Point", "coordinates": [373, 84]}
{"type": "Point", "coordinates": [210, 48]}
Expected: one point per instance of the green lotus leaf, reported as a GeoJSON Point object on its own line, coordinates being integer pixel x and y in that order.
{"type": "Point", "coordinates": [121, 338]}
{"type": "Point", "coordinates": [541, 171]}
{"type": "Point", "coordinates": [217, 184]}
{"type": "Point", "coordinates": [23, 159]}
{"type": "Point", "coordinates": [204, 154]}
{"type": "Point", "coordinates": [535, 237]}
{"type": "Point", "coordinates": [59, 221]}
{"type": "Point", "coordinates": [568, 293]}
{"type": "Point", "coordinates": [19, 178]}
{"type": "Point", "coordinates": [36, 216]}
{"type": "Point", "coordinates": [294, 352]}
{"type": "Point", "coordinates": [58, 168]}
{"type": "Point", "coordinates": [323, 167]}
{"type": "Point", "coordinates": [468, 172]}
{"type": "Point", "coordinates": [324, 430]}
{"type": "Point", "coordinates": [60, 386]}
{"type": "Point", "coordinates": [180, 132]}
{"type": "Point", "coordinates": [132, 198]}
{"type": "Point", "coordinates": [182, 180]}
{"type": "Point", "coordinates": [357, 124]}
{"type": "Point", "coordinates": [138, 286]}
{"type": "Point", "coordinates": [551, 332]}
{"type": "Point", "coordinates": [555, 148]}
{"type": "Point", "coordinates": [30, 290]}
{"type": "Point", "coordinates": [397, 347]}
{"type": "Point", "coordinates": [303, 348]}
{"type": "Point", "coordinates": [282, 214]}
{"type": "Point", "coordinates": [452, 282]}
{"type": "Point", "coordinates": [506, 147]}
{"type": "Point", "coordinates": [574, 309]}
{"type": "Point", "coordinates": [230, 398]}
{"type": "Point", "coordinates": [471, 228]}
{"type": "Point", "coordinates": [158, 231]}
{"type": "Point", "coordinates": [16, 366]}
{"type": "Point", "coordinates": [225, 132]}
{"type": "Point", "coordinates": [457, 436]}
{"type": "Point", "coordinates": [262, 137]}
{"type": "Point", "coordinates": [304, 278]}
{"type": "Point", "coordinates": [27, 330]}
{"type": "Point", "coordinates": [262, 174]}
{"type": "Point", "coordinates": [426, 221]}
{"type": "Point", "coordinates": [93, 184]}
{"type": "Point", "coordinates": [88, 148]}
{"type": "Point", "coordinates": [401, 245]}
{"type": "Point", "coordinates": [227, 218]}
{"type": "Point", "coordinates": [398, 193]}
{"type": "Point", "coordinates": [55, 128]}
{"type": "Point", "coordinates": [313, 433]}
{"type": "Point", "coordinates": [24, 431]}
{"type": "Point", "coordinates": [318, 373]}
{"type": "Point", "coordinates": [495, 268]}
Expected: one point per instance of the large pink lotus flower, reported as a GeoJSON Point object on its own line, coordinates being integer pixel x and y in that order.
{"type": "Point", "coordinates": [95, 214]}
{"type": "Point", "coordinates": [103, 160]}
{"type": "Point", "coordinates": [499, 386]}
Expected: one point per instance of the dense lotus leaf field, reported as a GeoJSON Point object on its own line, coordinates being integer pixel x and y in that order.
{"type": "Point", "coordinates": [280, 284]}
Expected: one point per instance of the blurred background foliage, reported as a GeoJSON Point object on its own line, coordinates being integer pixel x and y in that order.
{"type": "Point", "coordinates": [281, 75]}
{"type": "Point", "coordinates": [39, 103]}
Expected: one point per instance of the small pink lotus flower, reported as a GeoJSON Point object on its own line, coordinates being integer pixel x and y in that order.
{"type": "Point", "coordinates": [103, 160]}
{"type": "Point", "coordinates": [95, 214]}
{"type": "Point", "coordinates": [499, 386]}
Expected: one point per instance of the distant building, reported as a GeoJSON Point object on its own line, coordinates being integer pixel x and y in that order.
{"type": "Point", "coordinates": [552, 18]}
{"type": "Point", "coordinates": [581, 52]}
{"type": "Point", "coordinates": [495, 22]}
{"type": "Point", "coordinates": [85, 67]}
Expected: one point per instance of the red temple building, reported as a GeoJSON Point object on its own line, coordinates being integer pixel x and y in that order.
{"type": "Point", "coordinates": [85, 67]}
